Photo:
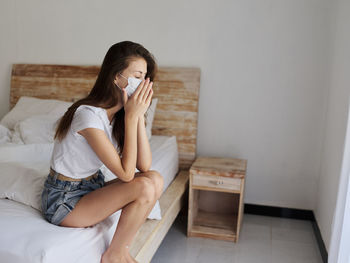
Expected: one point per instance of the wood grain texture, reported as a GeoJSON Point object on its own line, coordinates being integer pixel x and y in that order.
{"type": "Point", "coordinates": [217, 166]}
{"type": "Point", "coordinates": [176, 88]}
{"type": "Point", "coordinates": [216, 183]}
{"type": "Point", "coordinates": [217, 175]}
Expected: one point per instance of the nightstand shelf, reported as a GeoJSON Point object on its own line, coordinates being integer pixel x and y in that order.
{"type": "Point", "coordinates": [214, 224]}
{"type": "Point", "coordinates": [219, 182]}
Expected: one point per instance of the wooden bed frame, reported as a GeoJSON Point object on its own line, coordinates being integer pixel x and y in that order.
{"type": "Point", "coordinates": [177, 90]}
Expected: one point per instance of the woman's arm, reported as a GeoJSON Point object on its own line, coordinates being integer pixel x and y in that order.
{"type": "Point", "coordinates": [123, 168]}
{"type": "Point", "coordinates": [135, 107]}
{"type": "Point", "coordinates": [130, 145]}
{"type": "Point", "coordinates": [144, 154]}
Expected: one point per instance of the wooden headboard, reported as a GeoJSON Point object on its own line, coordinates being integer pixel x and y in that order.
{"type": "Point", "coordinates": [177, 90]}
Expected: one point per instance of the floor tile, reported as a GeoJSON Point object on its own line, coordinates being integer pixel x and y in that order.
{"type": "Point", "coordinates": [294, 252]}
{"type": "Point", "coordinates": [262, 239]}
{"type": "Point", "coordinates": [289, 234]}
{"type": "Point", "coordinates": [296, 224]}
{"type": "Point", "coordinates": [216, 254]}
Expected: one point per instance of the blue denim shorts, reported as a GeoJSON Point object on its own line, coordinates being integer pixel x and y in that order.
{"type": "Point", "coordinates": [60, 197]}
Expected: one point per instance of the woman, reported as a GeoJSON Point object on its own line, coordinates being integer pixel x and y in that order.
{"type": "Point", "coordinates": [107, 127]}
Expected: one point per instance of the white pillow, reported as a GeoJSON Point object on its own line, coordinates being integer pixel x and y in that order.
{"type": "Point", "coordinates": [22, 183]}
{"type": "Point", "coordinates": [30, 106]}
{"type": "Point", "coordinates": [150, 116]}
{"type": "Point", "coordinates": [26, 153]}
{"type": "Point", "coordinates": [37, 129]}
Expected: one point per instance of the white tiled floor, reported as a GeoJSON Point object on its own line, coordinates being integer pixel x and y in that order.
{"type": "Point", "coordinates": [263, 239]}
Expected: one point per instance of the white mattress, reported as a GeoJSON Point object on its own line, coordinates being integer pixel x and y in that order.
{"type": "Point", "coordinates": [165, 157]}
{"type": "Point", "coordinates": [27, 237]}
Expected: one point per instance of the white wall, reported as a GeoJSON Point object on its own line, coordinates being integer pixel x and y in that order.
{"type": "Point", "coordinates": [338, 99]}
{"type": "Point", "coordinates": [263, 63]}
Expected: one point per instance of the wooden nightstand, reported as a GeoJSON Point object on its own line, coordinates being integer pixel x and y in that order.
{"type": "Point", "coordinates": [215, 203]}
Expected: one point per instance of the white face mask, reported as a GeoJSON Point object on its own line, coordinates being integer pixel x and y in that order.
{"type": "Point", "coordinates": [133, 83]}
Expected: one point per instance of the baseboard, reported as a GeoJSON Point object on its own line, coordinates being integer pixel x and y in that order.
{"type": "Point", "coordinates": [279, 212]}
{"type": "Point", "coordinates": [321, 245]}
{"type": "Point", "coordinates": [293, 214]}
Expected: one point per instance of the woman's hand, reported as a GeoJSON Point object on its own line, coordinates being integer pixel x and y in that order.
{"type": "Point", "coordinates": [137, 104]}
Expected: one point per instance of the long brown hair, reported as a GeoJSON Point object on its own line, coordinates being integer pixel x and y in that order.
{"type": "Point", "coordinates": [104, 92]}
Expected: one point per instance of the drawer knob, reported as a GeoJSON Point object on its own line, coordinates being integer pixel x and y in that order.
{"type": "Point", "coordinates": [216, 182]}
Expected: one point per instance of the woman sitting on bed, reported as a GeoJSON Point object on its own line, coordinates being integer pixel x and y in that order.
{"type": "Point", "coordinates": [106, 127]}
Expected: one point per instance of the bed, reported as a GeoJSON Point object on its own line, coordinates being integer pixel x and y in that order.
{"type": "Point", "coordinates": [27, 237]}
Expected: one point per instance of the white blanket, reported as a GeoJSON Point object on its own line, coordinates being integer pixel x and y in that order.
{"type": "Point", "coordinates": [27, 237]}
{"type": "Point", "coordinates": [5, 135]}
{"type": "Point", "coordinates": [23, 170]}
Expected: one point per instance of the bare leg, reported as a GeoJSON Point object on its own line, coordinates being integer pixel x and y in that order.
{"type": "Point", "coordinates": [132, 217]}
{"type": "Point", "coordinates": [126, 229]}
{"type": "Point", "coordinates": [136, 198]}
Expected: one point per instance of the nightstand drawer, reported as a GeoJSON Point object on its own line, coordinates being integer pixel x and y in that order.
{"type": "Point", "coordinates": [216, 182]}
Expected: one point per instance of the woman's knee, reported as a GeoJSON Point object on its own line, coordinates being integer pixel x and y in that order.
{"type": "Point", "coordinates": [157, 180]}
{"type": "Point", "coordinates": [147, 190]}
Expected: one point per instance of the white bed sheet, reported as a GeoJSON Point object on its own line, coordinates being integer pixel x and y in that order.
{"type": "Point", "coordinates": [165, 157]}
{"type": "Point", "coordinates": [27, 237]}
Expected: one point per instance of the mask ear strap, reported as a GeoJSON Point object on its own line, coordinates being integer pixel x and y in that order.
{"type": "Point", "coordinates": [123, 76]}
{"type": "Point", "coordinates": [115, 82]}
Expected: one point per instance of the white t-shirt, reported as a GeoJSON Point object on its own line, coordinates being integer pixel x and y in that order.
{"type": "Point", "coordinates": [73, 156]}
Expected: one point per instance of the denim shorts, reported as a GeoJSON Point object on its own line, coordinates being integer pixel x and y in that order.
{"type": "Point", "coordinates": [60, 197]}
